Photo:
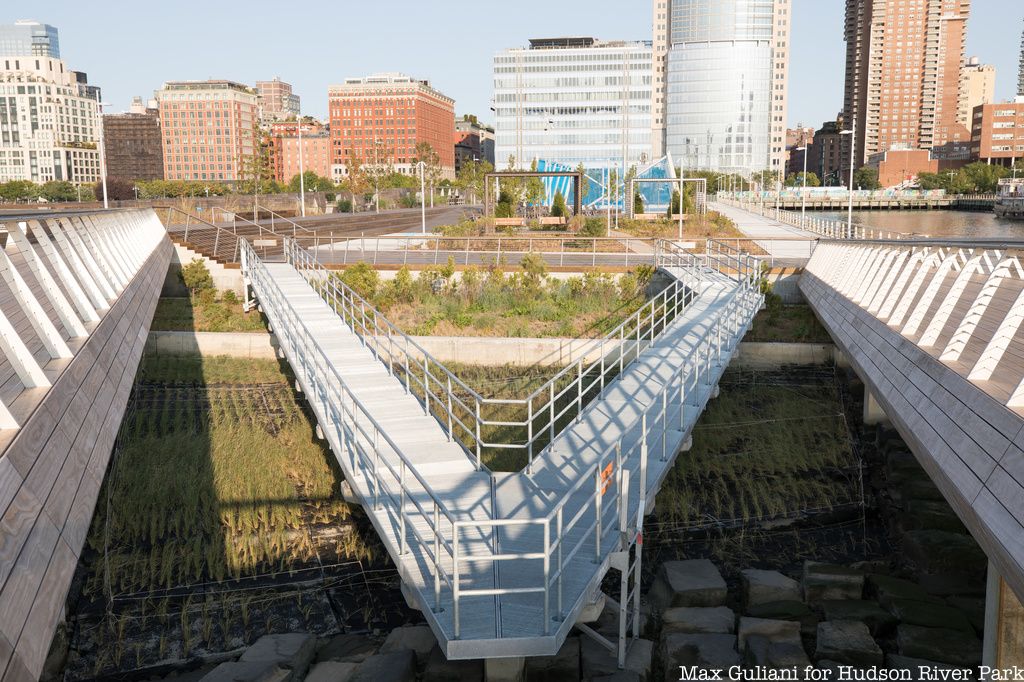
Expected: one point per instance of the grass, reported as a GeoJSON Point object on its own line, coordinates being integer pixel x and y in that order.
{"type": "Point", "coordinates": [713, 225]}
{"type": "Point", "coordinates": [493, 303]}
{"type": "Point", "coordinates": [790, 323]}
{"type": "Point", "coordinates": [205, 313]}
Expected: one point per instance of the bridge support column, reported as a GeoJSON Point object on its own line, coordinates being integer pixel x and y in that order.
{"type": "Point", "coordinates": [873, 412]}
{"type": "Point", "coordinates": [1004, 624]}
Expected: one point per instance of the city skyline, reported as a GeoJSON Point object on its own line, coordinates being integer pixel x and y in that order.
{"type": "Point", "coordinates": [463, 72]}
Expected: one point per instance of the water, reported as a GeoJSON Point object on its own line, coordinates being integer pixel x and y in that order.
{"type": "Point", "coordinates": [933, 223]}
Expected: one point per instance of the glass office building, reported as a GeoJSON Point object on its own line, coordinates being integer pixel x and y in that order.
{"type": "Point", "coordinates": [29, 38]}
{"type": "Point", "coordinates": [725, 84]}
{"type": "Point", "coordinates": [569, 101]}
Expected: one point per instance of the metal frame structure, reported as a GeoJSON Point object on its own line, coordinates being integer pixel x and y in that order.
{"type": "Point", "coordinates": [700, 194]}
{"type": "Point", "coordinates": [498, 175]}
{"type": "Point", "coordinates": [436, 546]}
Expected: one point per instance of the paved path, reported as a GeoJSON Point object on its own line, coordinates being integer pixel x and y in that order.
{"type": "Point", "coordinates": [787, 245]}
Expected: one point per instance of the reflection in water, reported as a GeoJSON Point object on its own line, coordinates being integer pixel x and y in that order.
{"type": "Point", "coordinates": [934, 223]}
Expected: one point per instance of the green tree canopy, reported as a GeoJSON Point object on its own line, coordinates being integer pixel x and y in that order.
{"type": "Point", "coordinates": [866, 177]}
{"type": "Point", "coordinates": [313, 182]}
{"type": "Point", "coordinates": [59, 190]}
{"type": "Point", "coordinates": [797, 179]}
{"type": "Point", "coordinates": [19, 190]}
{"type": "Point", "coordinates": [558, 207]}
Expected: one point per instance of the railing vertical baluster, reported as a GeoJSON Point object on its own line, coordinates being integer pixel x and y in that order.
{"type": "Point", "coordinates": [478, 446]}
{"type": "Point", "coordinates": [426, 386]}
{"type": "Point", "coordinates": [579, 390]}
{"type": "Point", "coordinates": [529, 435]}
{"type": "Point", "coordinates": [437, 558]}
{"type": "Point", "coordinates": [450, 434]}
{"type": "Point", "coordinates": [551, 412]}
{"type": "Point", "coordinates": [403, 545]}
{"type": "Point", "coordinates": [561, 565]}
{"type": "Point", "coordinates": [455, 577]}
{"type": "Point", "coordinates": [597, 515]}
{"type": "Point", "coordinates": [547, 577]}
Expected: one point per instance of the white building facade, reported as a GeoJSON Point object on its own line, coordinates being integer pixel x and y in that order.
{"type": "Point", "coordinates": [49, 126]}
{"type": "Point", "coordinates": [725, 82]}
{"type": "Point", "coordinates": [574, 100]}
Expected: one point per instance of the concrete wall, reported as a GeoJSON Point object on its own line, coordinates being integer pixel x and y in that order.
{"type": "Point", "coordinates": [224, 278]}
{"type": "Point", "coordinates": [51, 473]}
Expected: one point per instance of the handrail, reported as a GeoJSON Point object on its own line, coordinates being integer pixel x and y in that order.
{"type": "Point", "coordinates": [329, 390]}
{"type": "Point", "coordinates": [831, 229]}
{"type": "Point", "coordinates": [416, 363]}
{"type": "Point", "coordinates": [295, 225]}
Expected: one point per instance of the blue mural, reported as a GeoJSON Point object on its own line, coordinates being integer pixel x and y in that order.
{"type": "Point", "coordinates": [656, 196]}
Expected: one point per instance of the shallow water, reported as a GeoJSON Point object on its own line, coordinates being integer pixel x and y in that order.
{"type": "Point", "coordinates": [934, 223]}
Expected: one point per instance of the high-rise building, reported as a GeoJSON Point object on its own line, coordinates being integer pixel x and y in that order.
{"type": "Point", "coordinates": [132, 144]}
{"type": "Point", "coordinates": [795, 139]}
{"type": "Point", "coordinates": [277, 102]}
{"type": "Point", "coordinates": [574, 100]}
{"type": "Point", "coordinates": [26, 38]}
{"type": "Point", "coordinates": [1020, 69]}
{"type": "Point", "coordinates": [998, 132]}
{"type": "Point", "coordinates": [474, 141]}
{"type": "Point", "coordinates": [824, 153]}
{"type": "Point", "coordinates": [285, 142]}
{"type": "Point", "coordinates": [979, 86]}
{"type": "Point", "coordinates": [49, 127]}
{"type": "Point", "coordinates": [381, 118]}
{"type": "Point", "coordinates": [903, 66]}
{"type": "Point", "coordinates": [659, 67]}
{"type": "Point", "coordinates": [726, 73]}
{"type": "Point", "coordinates": [209, 129]}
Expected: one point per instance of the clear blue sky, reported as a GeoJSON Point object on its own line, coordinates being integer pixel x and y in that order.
{"type": "Point", "coordinates": [132, 48]}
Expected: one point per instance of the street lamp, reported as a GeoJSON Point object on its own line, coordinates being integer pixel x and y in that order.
{"type": "Point", "coordinates": [803, 199]}
{"type": "Point", "coordinates": [103, 155]}
{"type": "Point", "coordinates": [423, 199]}
{"type": "Point", "coordinates": [302, 174]}
{"type": "Point", "coordinates": [853, 146]}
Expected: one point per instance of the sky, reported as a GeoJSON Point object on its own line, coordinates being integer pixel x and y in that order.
{"type": "Point", "coordinates": [132, 48]}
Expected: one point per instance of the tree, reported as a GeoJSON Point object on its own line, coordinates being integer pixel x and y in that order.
{"type": "Point", "coordinates": [255, 176]}
{"type": "Point", "coordinates": [866, 177]}
{"type": "Point", "coordinates": [535, 194]}
{"type": "Point", "coordinates": [356, 180]}
{"type": "Point", "coordinates": [313, 182]}
{"type": "Point", "coordinates": [195, 276]}
{"type": "Point", "coordinates": [118, 189]}
{"type": "Point", "coordinates": [673, 207]}
{"type": "Point", "coordinates": [979, 177]}
{"type": "Point", "coordinates": [377, 167]}
{"type": "Point", "coordinates": [426, 153]}
{"type": "Point", "coordinates": [558, 207]}
{"type": "Point", "coordinates": [19, 190]}
{"type": "Point", "coordinates": [471, 178]}
{"type": "Point", "coordinates": [59, 190]}
{"type": "Point", "coordinates": [766, 179]}
{"type": "Point", "coordinates": [797, 179]}
{"type": "Point", "coordinates": [638, 203]}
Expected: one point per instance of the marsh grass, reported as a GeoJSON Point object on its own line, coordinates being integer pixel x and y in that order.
{"type": "Point", "coordinates": [206, 312]}
{"type": "Point", "coordinates": [787, 323]}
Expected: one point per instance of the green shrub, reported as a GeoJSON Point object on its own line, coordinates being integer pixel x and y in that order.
{"type": "Point", "coordinates": [593, 227]}
{"type": "Point", "coordinates": [535, 268]}
{"type": "Point", "coordinates": [558, 207]}
{"type": "Point", "coordinates": [230, 297]}
{"type": "Point", "coordinates": [362, 278]}
{"type": "Point", "coordinates": [207, 297]}
{"type": "Point", "coordinates": [344, 206]}
{"type": "Point", "coordinates": [195, 276]}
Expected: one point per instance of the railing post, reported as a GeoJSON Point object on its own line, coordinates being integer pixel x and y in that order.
{"type": "Point", "coordinates": [437, 558]}
{"type": "Point", "coordinates": [561, 566]}
{"type": "Point", "coordinates": [426, 387]}
{"type": "Point", "coordinates": [455, 578]}
{"type": "Point", "coordinates": [403, 545]}
{"type": "Point", "coordinates": [547, 577]}
{"type": "Point", "coordinates": [597, 515]}
{"type": "Point", "coordinates": [478, 448]}
{"type": "Point", "coordinates": [551, 412]}
{"type": "Point", "coordinates": [579, 390]}
{"type": "Point", "coordinates": [529, 435]}
{"type": "Point", "coordinates": [450, 434]}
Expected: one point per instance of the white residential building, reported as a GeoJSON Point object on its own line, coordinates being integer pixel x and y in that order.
{"type": "Point", "coordinates": [574, 100]}
{"type": "Point", "coordinates": [722, 69]}
{"type": "Point", "coordinates": [49, 122]}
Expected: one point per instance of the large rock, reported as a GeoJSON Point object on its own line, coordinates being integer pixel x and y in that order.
{"type": "Point", "coordinates": [930, 515]}
{"type": "Point", "coordinates": [248, 671]}
{"type": "Point", "coordinates": [929, 614]}
{"type": "Point", "coordinates": [710, 620]}
{"type": "Point", "coordinates": [848, 642]}
{"type": "Point", "coordinates": [332, 671]}
{"type": "Point", "coordinates": [418, 638]}
{"type": "Point", "coordinates": [596, 661]}
{"type": "Point", "coordinates": [291, 651]}
{"type": "Point", "coordinates": [973, 608]}
{"type": "Point", "coordinates": [761, 587]}
{"type": "Point", "coordinates": [354, 648]}
{"type": "Point", "coordinates": [879, 621]}
{"type": "Point", "coordinates": [939, 644]}
{"type": "Point", "coordinates": [914, 665]}
{"type": "Point", "coordinates": [395, 666]}
{"type": "Point", "coordinates": [952, 584]}
{"type": "Point", "coordinates": [831, 581]}
{"type": "Point", "coordinates": [693, 582]}
{"type": "Point", "coordinates": [440, 669]}
{"type": "Point", "coordinates": [885, 588]}
{"type": "Point", "coordinates": [565, 665]}
{"type": "Point", "coordinates": [937, 551]}
{"type": "Point", "coordinates": [762, 651]}
{"type": "Point", "coordinates": [684, 649]}
{"type": "Point", "coordinates": [618, 676]}
{"type": "Point", "coordinates": [788, 610]}
{"type": "Point", "coordinates": [774, 630]}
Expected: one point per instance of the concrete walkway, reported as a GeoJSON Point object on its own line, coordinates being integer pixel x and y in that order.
{"type": "Point", "coordinates": [785, 244]}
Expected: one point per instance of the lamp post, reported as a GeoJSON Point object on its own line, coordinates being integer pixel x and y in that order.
{"type": "Point", "coordinates": [103, 155]}
{"type": "Point", "coordinates": [423, 200]}
{"type": "Point", "coordinates": [803, 196]}
{"type": "Point", "coordinates": [853, 146]}
{"type": "Point", "coordinates": [302, 174]}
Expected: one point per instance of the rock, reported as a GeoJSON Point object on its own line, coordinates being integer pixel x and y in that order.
{"type": "Point", "coordinates": [939, 644]}
{"type": "Point", "coordinates": [354, 648]}
{"type": "Point", "coordinates": [973, 608]}
{"type": "Point", "coordinates": [938, 551]}
{"type": "Point", "coordinates": [710, 620]}
{"type": "Point", "coordinates": [788, 610]}
{"type": "Point", "coordinates": [761, 651]}
{"type": "Point", "coordinates": [565, 665]}
{"type": "Point", "coordinates": [505, 669]}
{"type": "Point", "coordinates": [418, 638]}
{"type": "Point", "coordinates": [930, 515]}
{"type": "Point", "coordinates": [951, 584]}
{"type": "Point", "coordinates": [871, 566]}
{"type": "Point", "coordinates": [596, 661]}
{"type": "Point", "coordinates": [332, 671]}
{"type": "Point", "coordinates": [774, 630]}
{"type": "Point", "coordinates": [831, 581]}
{"type": "Point", "coordinates": [878, 620]}
{"type": "Point", "coordinates": [929, 614]}
{"type": "Point", "coordinates": [440, 669]}
{"type": "Point", "coordinates": [291, 651]}
{"type": "Point", "coordinates": [917, 489]}
{"type": "Point", "coordinates": [914, 665]}
{"type": "Point", "coordinates": [396, 666]}
{"type": "Point", "coordinates": [885, 588]}
{"type": "Point", "coordinates": [760, 587]}
{"type": "Point", "coordinates": [700, 650]}
{"type": "Point", "coordinates": [247, 671]}
{"type": "Point", "coordinates": [693, 582]}
{"type": "Point", "coordinates": [618, 676]}
{"type": "Point", "coordinates": [848, 642]}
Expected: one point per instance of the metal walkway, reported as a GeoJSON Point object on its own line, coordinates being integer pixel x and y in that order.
{"type": "Point", "coordinates": [502, 563]}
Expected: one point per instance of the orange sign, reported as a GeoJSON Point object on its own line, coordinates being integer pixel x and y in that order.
{"type": "Point", "coordinates": [606, 477]}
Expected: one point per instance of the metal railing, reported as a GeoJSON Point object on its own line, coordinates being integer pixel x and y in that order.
{"type": "Point", "coordinates": [397, 487]}
{"type": "Point", "coordinates": [830, 229]}
{"type": "Point", "coordinates": [470, 417]}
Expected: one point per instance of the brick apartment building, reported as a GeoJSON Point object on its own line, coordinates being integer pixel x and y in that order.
{"type": "Point", "coordinates": [276, 100]}
{"type": "Point", "coordinates": [825, 156]}
{"type": "Point", "coordinates": [209, 129]}
{"type": "Point", "coordinates": [389, 114]}
{"type": "Point", "coordinates": [283, 142]}
{"type": "Point", "coordinates": [473, 141]}
{"type": "Point", "coordinates": [132, 143]}
{"type": "Point", "coordinates": [997, 134]}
